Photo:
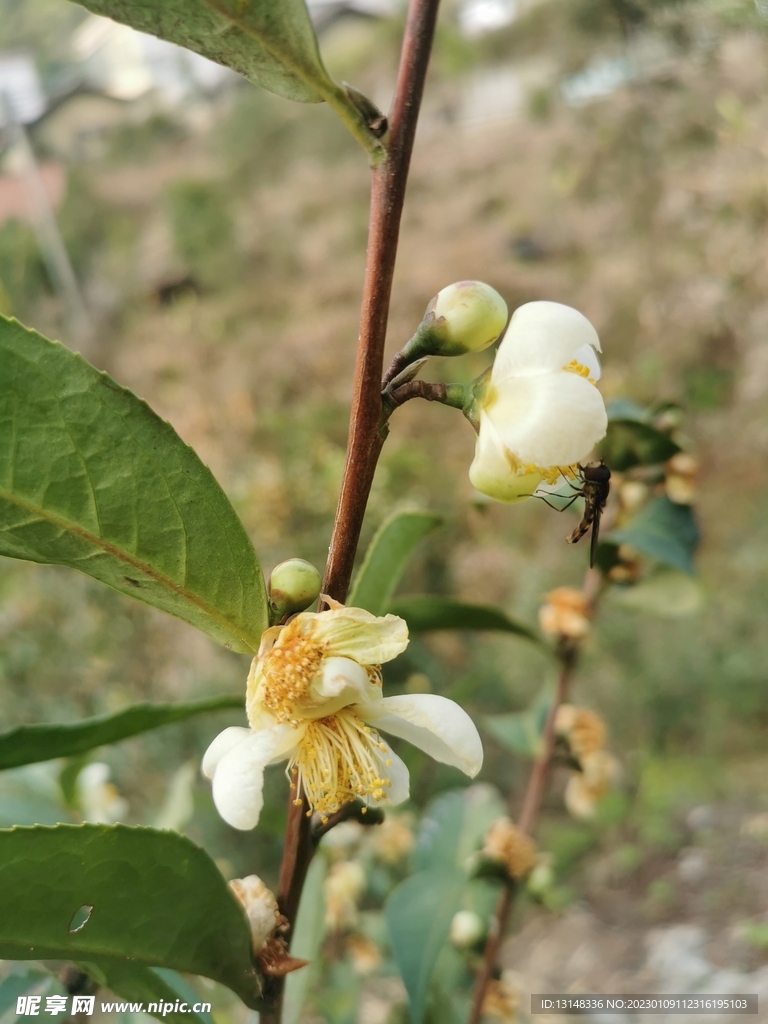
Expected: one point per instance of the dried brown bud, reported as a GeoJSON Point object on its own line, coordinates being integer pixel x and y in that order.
{"type": "Point", "coordinates": [584, 730]}
{"type": "Point", "coordinates": [600, 773]}
{"type": "Point", "coordinates": [502, 999]}
{"type": "Point", "coordinates": [565, 613]}
{"type": "Point", "coordinates": [682, 474]}
{"type": "Point", "coordinates": [505, 843]}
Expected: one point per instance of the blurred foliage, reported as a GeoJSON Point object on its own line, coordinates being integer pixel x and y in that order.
{"type": "Point", "coordinates": [23, 276]}
{"type": "Point", "coordinates": [44, 27]}
{"type": "Point", "coordinates": [202, 229]}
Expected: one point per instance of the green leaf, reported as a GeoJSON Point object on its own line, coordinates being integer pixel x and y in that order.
{"type": "Point", "coordinates": [521, 731]}
{"type": "Point", "coordinates": [91, 478]}
{"type": "Point", "coordinates": [308, 935]}
{"type": "Point", "coordinates": [158, 900]}
{"type": "Point", "coordinates": [453, 827]}
{"type": "Point", "coordinates": [626, 409]}
{"type": "Point", "coordinates": [423, 612]}
{"type": "Point", "coordinates": [665, 531]}
{"type": "Point", "coordinates": [30, 743]}
{"type": "Point", "coordinates": [666, 594]}
{"type": "Point", "coordinates": [386, 558]}
{"type": "Point", "coordinates": [140, 984]}
{"type": "Point", "coordinates": [515, 732]}
{"type": "Point", "coordinates": [419, 912]}
{"type": "Point", "coordinates": [630, 443]}
{"type": "Point", "coordinates": [271, 44]}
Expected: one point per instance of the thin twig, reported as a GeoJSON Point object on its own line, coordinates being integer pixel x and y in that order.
{"type": "Point", "coordinates": [531, 801]}
{"type": "Point", "coordinates": [534, 793]}
{"type": "Point", "coordinates": [417, 389]}
{"type": "Point", "coordinates": [388, 182]}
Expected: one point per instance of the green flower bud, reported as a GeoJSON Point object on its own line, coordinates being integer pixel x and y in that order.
{"type": "Point", "coordinates": [467, 928]}
{"type": "Point", "coordinates": [293, 586]}
{"type": "Point", "coordinates": [467, 316]}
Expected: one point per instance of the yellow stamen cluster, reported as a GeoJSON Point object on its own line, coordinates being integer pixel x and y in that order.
{"type": "Point", "coordinates": [580, 369]}
{"type": "Point", "coordinates": [287, 670]}
{"type": "Point", "coordinates": [338, 760]}
{"type": "Point", "coordinates": [549, 474]}
{"type": "Point", "coordinates": [374, 674]}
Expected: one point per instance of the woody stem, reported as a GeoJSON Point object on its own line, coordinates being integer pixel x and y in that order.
{"type": "Point", "coordinates": [366, 438]}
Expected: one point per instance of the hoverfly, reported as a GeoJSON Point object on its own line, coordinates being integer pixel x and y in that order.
{"type": "Point", "coordinates": [594, 487]}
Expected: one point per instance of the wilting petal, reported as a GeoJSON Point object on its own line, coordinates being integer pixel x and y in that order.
{"type": "Point", "coordinates": [542, 336]}
{"type": "Point", "coordinates": [341, 682]}
{"type": "Point", "coordinates": [354, 633]}
{"type": "Point", "coordinates": [238, 777]}
{"type": "Point", "coordinates": [223, 743]}
{"type": "Point", "coordinates": [493, 474]}
{"type": "Point", "coordinates": [553, 419]}
{"type": "Point", "coordinates": [434, 724]}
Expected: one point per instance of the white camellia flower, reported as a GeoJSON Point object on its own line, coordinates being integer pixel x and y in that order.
{"type": "Point", "coordinates": [314, 699]}
{"type": "Point", "coordinates": [541, 412]}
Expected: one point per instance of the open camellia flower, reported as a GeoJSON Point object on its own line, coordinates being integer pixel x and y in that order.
{"type": "Point", "coordinates": [541, 412]}
{"type": "Point", "coordinates": [314, 699]}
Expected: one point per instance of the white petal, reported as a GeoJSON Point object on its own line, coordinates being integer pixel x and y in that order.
{"type": "Point", "coordinates": [394, 769]}
{"type": "Point", "coordinates": [553, 419]}
{"type": "Point", "coordinates": [238, 778]}
{"type": "Point", "coordinates": [542, 336]}
{"type": "Point", "coordinates": [223, 743]}
{"type": "Point", "coordinates": [492, 473]}
{"type": "Point", "coordinates": [587, 356]}
{"type": "Point", "coordinates": [341, 682]}
{"type": "Point", "coordinates": [434, 724]}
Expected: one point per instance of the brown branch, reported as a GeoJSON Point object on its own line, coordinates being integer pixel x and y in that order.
{"type": "Point", "coordinates": [534, 792]}
{"type": "Point", "coordinates": [388, 183]}
{"type": "Point", "coordinates": [568, 653]}
{"type": "Point", "coordinates": [387, 196]}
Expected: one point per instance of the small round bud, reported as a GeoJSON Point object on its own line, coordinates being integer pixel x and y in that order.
{"type": "Point", "coordinates": [467, 928]}
{"type": "Point", "coordinates": [293, 586]}
{"type": "Point", "coordinates": [543, 876]}
{"type": "Point", "coordinates": [467, 316]}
